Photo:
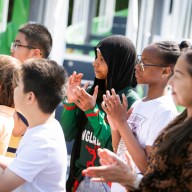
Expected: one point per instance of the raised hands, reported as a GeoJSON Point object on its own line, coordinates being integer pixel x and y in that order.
{"type": "Point", "coordinates": [74, 81]}
{"type": "Point", "coordinates": [84, 100]}
{"type": "Point", "coordinates": [113, 169]}
{"type": "Point", "coordinates": [78, 95]}
{"type": "Point", "coordinates": [115, 110]}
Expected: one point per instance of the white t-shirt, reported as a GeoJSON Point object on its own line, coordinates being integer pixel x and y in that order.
{"type": "Point", "coordinates": [6, 127]}
{"type": "Point", "coordinates": [146, 121]}
{"type": "Point", "coordinates": [41, 159]}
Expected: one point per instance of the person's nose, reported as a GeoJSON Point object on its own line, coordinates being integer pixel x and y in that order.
{"type": "Point", "coordinates": [170, 82]}
{"type": "Point", "coordinates": [95, 63]}
{"type": "Point", "coordinates": [11, 50]}
{"type": "Point", "coordinates": [137, 66]}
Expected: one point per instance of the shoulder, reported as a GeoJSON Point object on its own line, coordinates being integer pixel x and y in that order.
{"type": "Point", "coordinates": [45, 132]}
{"type": "Point", "coordinates": [6, 111]}
{"type": "Point", "coordinates": [166, 103]}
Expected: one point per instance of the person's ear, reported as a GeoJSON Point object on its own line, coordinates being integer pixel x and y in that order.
{"type": "Point", "coordinates": [166, 71]}
{"type": "Point", "coordinates": [37, 53]}
{"type": "Point", "coordinates": [30, 97]}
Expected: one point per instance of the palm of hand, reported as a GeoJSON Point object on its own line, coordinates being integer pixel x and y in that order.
{"type": "Point", "coordinates": [116, 170]}
{"type": "Point", "coordinates": [84, 100]}
{"type": "Point", "coordinates": [115, 110]}
{"type": "Point", "coordinates": [87, 103]}
{"type": "Point", "coordinates": [71, 95]}
{"type": "Point", "coordinates": [73, 83]}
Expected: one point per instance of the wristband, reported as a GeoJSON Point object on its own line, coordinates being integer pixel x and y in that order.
{"type": "Point", "coordinates": [137, 181]}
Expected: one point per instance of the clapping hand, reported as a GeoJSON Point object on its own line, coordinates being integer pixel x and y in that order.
{"type": "Point", "coordinates": [112, 169]}
{"type": "Point", "coordinates": [84, 100]}
{"type": "Point", "coordinates": [73, 82]}
{"type": "Point", "coordinates": [115, 110]}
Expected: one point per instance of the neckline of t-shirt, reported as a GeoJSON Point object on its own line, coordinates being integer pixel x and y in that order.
{"type": "Point", "coordinates": [156, 99]}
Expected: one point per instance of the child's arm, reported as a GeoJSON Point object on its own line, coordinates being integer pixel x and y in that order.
{"type": "Point", "coordinates": [116, 113]}
{"type": "Point", "coordinates": [9, 180]}
{"type": "Point", "coordinates": [70, 112]}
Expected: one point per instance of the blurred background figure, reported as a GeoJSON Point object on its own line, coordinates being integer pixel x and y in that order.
{"type": "Point", "coordinates": [9, 76]}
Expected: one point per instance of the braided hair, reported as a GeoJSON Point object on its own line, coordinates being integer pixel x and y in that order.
{"type": "Point", "coordinates": [169, 52]}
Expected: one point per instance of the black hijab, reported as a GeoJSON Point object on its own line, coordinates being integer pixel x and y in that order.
{"type": "Point", "coordinates": [120, 55]}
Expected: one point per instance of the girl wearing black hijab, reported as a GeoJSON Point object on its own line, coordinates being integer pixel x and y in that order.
{"type": "Point", "coordinates": [82, 117]}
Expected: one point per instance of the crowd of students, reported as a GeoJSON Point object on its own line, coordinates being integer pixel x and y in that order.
{"type": "Point", "coordinates": [121, 142]}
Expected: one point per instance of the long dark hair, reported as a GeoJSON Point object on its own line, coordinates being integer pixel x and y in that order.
{"type": "Point", "coordinates": [180, 129]}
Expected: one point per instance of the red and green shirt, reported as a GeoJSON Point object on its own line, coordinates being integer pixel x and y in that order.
{"type": "Point", "coordinates": [96, 133]}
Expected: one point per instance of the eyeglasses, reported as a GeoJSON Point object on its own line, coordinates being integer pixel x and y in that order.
{"type": "Point", "coordinates": [143, 65]}
{"type": "Point", "coordinates": [14, 46]}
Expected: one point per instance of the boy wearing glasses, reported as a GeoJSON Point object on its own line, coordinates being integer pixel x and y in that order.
{"type": "Point", "coordinates": [32, 41]}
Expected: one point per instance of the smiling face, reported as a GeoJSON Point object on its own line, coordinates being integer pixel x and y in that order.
{"type": "Point", "coordinates": [181, 83]}
{"type": "Point", "coordinates": [100, 67]}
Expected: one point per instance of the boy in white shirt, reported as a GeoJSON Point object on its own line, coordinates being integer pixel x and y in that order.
{"type": "Point", "coordinates": [41, 158]}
